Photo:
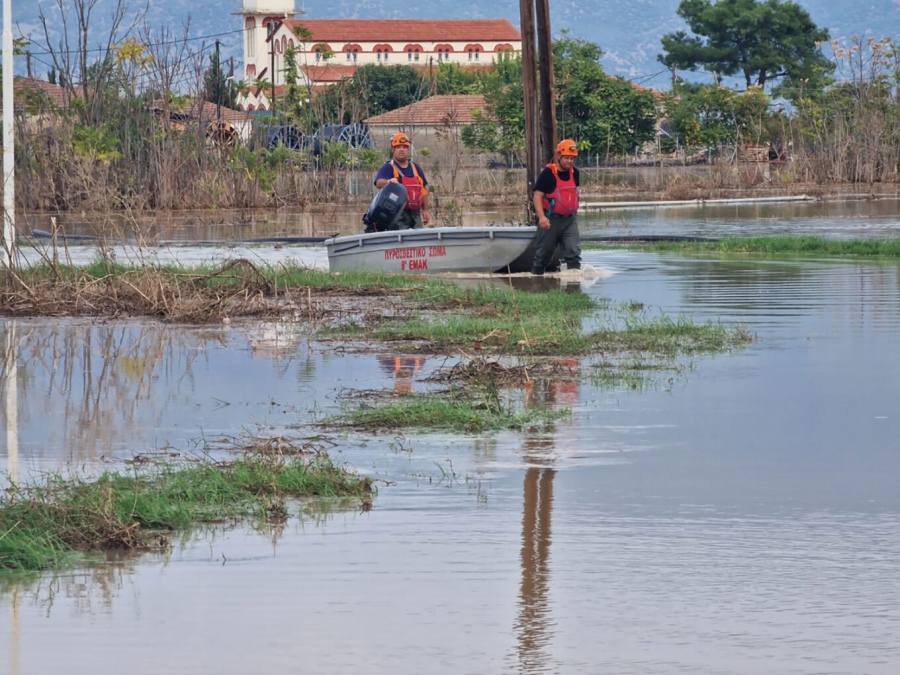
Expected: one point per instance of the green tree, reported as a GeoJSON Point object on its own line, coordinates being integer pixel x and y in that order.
{"type": "Point", "coordinates": [453, 78]}
{"type": "Point", "coordinates": [602, 112]}
{"type": "Point", "coordinates": [763, 41]}
{"type": "Point", "coordinates": [710, 116]}
{"type": "Point", "coordinates": [599, 111]}
{"type": "Point", "coordinates": [216, 87]}
{"type": "Point", "coordinates": [500, 128]}
{"type": "Point", "coordinates": [372, 90]}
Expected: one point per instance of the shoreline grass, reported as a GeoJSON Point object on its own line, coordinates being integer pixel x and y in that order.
{"type": "Point", "coordinates": [794, 246]}
{"type": "Point", "coordinates": [48, 524]}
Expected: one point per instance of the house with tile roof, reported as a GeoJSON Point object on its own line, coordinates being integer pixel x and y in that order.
{"type": "Point", "coordinates": [328, 50]}
{"type": "Point", "coordinates": [38, 98]}
{"type": "Point", "coordinates": [434, 123]}
{"type": "Point", "coordinates": [206, 118]}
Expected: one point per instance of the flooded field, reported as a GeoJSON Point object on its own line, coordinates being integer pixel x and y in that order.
{"type": "Point", "coordinates": [849, 218]}
{"type": "Point", "coordinates": [740, 516]}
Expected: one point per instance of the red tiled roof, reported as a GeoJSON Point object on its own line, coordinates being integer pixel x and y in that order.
{"type": "Point", "coordinates": [205, 112]}
{"type": "Point", "coordinates": [55, 93]}
{"type": "Point", "coordinates": [433, 110]}
{"type": "Point", "coordinates": [328, 72]}
{"type": "Point", "coordinates": [640, 87]}
{"type": "Point", "coordinates": [209, 111]}
{"type": "Point", "coordinates": [407, 30]}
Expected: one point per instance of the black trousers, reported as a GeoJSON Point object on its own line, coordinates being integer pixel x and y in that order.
{"type": "Point", "coordinates": [564, 233]}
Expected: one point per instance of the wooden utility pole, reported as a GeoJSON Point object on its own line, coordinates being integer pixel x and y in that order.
{"type": "Point", "coordinates": [529, 74]}
{"type": "Point", "coordinates": [540, 122]}
{"type": "Point", "coordinates": [218, 88]}
{"type": "Point", "coordinates": [545, 63]}
{"type": "Point", "coordinates": [273, 81]}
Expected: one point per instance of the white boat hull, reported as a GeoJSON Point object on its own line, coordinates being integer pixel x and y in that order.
{"type": "Point", "coordinates": [435, 251]}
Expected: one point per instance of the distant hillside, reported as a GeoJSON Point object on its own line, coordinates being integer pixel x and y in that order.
{"type": "Point", "coordinates": [629, 34]}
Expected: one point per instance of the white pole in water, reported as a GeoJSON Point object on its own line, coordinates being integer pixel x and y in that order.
{"type": "Point", "coordinates": [12, 403]}
{"type": "Point", "coordinates": [9, 157]}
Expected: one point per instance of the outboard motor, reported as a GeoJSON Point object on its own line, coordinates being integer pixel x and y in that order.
{"type": "Point", "coordinates": [385, 208]}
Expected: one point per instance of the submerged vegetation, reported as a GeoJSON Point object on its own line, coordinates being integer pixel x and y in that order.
{"type": "Point", "coordinates": [44, 525]}
{"type": "Point", "coordinates": [454, 411]}
{"type": "Point", "coordinates": [436, 314]}
{"type": "Point", "coordinates": [781, 246]}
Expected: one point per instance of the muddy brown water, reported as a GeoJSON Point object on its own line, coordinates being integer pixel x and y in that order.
{"type": "Point", "coordinates": [832, 218]}
{"type": "Point", "coordinates": [741, 518]}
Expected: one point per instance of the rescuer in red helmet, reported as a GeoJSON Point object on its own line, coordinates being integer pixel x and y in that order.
{"type": "Point", "coordinates": [401, 169]}
{"type": "Point", "coordinates": [556, 203]}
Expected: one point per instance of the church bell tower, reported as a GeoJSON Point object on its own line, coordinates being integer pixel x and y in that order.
{"type": "Point", "coordinates": [260, 17]}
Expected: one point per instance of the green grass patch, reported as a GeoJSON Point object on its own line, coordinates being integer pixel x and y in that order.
{"type": "Point", "coordinates": [469, 413]}
{"type": "Point", "coordinates": [496, 319]}
{"type": "Point", "coordinates": [780, 246]}
{"type": "Point", "coordinates": [665, 336]}
{"type": "Point", "coordinates": [43, 525]}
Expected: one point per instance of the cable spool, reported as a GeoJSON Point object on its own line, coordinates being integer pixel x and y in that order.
{"type": "Point", "coordinates": [221, 135]}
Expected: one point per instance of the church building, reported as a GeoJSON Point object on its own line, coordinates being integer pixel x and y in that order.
{"type": "Point", "coordinates": [328, 50]}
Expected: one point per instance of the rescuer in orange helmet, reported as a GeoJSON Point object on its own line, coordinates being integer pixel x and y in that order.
{"type": "Point", "coordinates": [401, 169]}
{"type": "Point", "coordinates": [556, 203]}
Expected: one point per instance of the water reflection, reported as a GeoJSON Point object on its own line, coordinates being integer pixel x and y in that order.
{"type": "Point", "coordinates": [275, 339]}
{"type": "Point", "coordinates": [840, 219]}
{"type": "Point", "coordinates": [534, 626]}
{"type": "Point", "coordinates": [401, 369]}
{"type": "Point", "coordinates": [98, 385]}
{"type": "Point", "coordinates": [10, 375]}
{"type": "Point", "coordinates": [14, 635]}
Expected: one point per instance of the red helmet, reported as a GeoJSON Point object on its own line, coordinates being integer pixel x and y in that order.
{"type": "Point", "coordinates": [399, 139]}
{"type": "Point", "coordinates": [567, 148]}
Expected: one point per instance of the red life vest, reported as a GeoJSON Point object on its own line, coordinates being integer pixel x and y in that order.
{"type": "Point", "coordinates": [563, 201]}
{"type": "Point", "coordinates": [415, 186]}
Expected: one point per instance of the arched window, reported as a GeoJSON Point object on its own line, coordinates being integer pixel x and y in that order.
{"type": "Point", "coordinates": [262, 106]}
{"type": "Point", "coordinates": [251, 71]}
{"type": "Point", "coordinates": [352, 51]}
{"type": "Point", "coordinates": [250, 107]}
{"type": "Point", "coordinates": [470, 55]}
{"type": "Point", "coordinates": [416, 57]}
{"type": "Point", "coordinates": [477, 52]}
{"type": "Point", "coordinates": [409, 54]}
{"type": "Point", "coordinates": [249, 28]}
{"type": "Point", "coordinates": [378, 52]}
{"type": "Point", "coordinates": [270, 27]}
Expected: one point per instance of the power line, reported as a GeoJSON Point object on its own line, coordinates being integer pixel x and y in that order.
{"type": "Point", "coordinates": [69, 52]}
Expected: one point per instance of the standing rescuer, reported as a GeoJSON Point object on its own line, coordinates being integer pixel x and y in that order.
{"type": "Point", "coordinates": [556, 203]}
{"type": "Point", "coordinates": [400, 169]}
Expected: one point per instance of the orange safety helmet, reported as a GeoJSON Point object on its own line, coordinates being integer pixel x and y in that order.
{"type": "Point", "coordinates": [567, 148]}
{"type": "Point", "coordinates": [399, 139]}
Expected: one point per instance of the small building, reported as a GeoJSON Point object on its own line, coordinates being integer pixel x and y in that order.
{"type": "Point", "coordinates": [220, 125]}
{"type": "Point", "coordinates": [434, 123]}
{"type": "Point", "coordinates": [38, 101]}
